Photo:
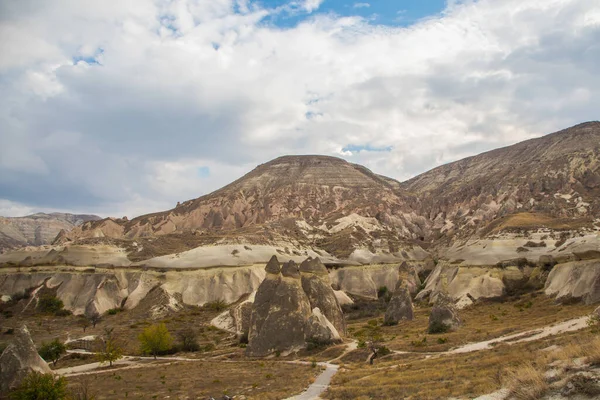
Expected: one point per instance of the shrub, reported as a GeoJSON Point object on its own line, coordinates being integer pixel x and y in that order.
{"type": "Point", "coordinates": [361, 344]}
{"type": "Point", "coordinates": [217, 305]}
{"type": "Point", "coordinates": [114, 311]}
{"type": "Point", "coordinates": [189, 340]}
{"type": "Point", "coordinates": [244, 338]}
{"type": "Point", "coordinates": [63, 313]}
{"type": "Point", "coordinates": [442, 340]}
{"type": "Point", "coordinates": [155, 339]}
{"type": "Point", "coordinates": [438, 327]}
{"type": "Point", "coordinates": [52, 351]}
{"type": "Point", "coordinates": [9, 331]}
{"type": "Point", "coordinates": [50, 304]}
{"type": "Point", "coordinates": [383, 351]}
{"type": "Point", "coordinates": [38, 386]}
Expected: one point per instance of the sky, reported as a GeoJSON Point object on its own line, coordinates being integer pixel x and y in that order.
{"type": "Point", "coordinates": [127, 107]}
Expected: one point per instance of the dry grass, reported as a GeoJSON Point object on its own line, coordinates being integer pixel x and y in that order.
{"type": "Point", "coordinates": [526, 383]}
{"type": "Point", "coordinates": [482, 322]}
{"type": "Point", "coordinates": [461, 375]}
{"type": "Point", "coordinates": [535, 221]}
{"type": "Point", "coordinates": [200, 380]}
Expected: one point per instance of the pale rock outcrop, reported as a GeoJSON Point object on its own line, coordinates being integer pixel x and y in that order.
{"type": "Point", "coordinates": [464, 284]}
{"type": "Point", "coordinates": [400, 306]}
{"type": "Point", "coordinates": [577, 280]}
{"type": "Point", "coordinates": [444, 315]}
{"type": "Point", "coordinates": [365, 281]}
{"type": "Point", "coordinates": [19, 359]}
{"type": "Point", "coordinates": [238, 318]}
{"type": "Point", "coordinates": [317, 286]}
{"type": "Point", "coordinates": [320, 329]}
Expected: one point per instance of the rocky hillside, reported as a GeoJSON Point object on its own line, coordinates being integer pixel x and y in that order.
{"type": "Point", "coordinates": [296, 205]}
{"type": "Point", "coordinates": [37, 229]}
{"type": "Point", "coordinates": [552, 181]}
{"type": "Point", "coordinates": [310, 200]}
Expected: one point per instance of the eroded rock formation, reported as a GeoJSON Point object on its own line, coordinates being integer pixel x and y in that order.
{"type": "Point", "coordinates": [400, 306]}
{"type": "Point", "coordinates": [283, 317]}
{"type": "Point", "coordinates": [444, 315]}
{"type": "Point", "coordinates": [19, 359]}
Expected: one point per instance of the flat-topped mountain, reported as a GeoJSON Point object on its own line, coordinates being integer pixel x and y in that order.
{"type": "Point", "coordinates": [322, 201]}
{"type": "Point", "coordinates": [37, 229]}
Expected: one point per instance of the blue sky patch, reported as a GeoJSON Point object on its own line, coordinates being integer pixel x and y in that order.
{"type": "Point", "coordinates": [366, 147]}
{"type": "Point", "coordinates": [203, 172]}
{"type": "Point", "coordinates": [91, 60]}
{"type": "Point", "coordinates": [378, 12]}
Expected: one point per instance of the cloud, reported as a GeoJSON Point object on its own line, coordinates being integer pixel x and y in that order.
{"type": "Point", "coordinates": [361, 5]}
{"type": "Point", "coordinates": [116, 110]}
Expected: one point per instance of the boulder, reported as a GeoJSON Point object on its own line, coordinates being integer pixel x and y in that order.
{"type": "Point", "coordinates": [317, 286]}
{"type": "Point", "coordinates": [444, 315]}
{"type": "Point", "coordinates": [400, 306]}
{"type": "Point", "coordinates": [19, 359]}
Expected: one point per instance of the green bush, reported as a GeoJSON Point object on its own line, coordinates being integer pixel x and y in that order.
{"type": "Point", "coordinates": [383, 351]}
{"type": "Point", "coordinates": [52, 351]}
{"type": "Point", "coordinates": [114, 311]}
{"type": "Point", "coordinates": [38, 386]}
{"type": "Point", "coordinates": [438, 327]}
{"type": "Point", "coordinates": [50, 304]}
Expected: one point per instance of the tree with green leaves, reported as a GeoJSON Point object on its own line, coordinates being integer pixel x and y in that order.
{"type": "Point", "coordinates": [52, 351]}
{"type": "Point", "coordinates": [155, 339]}
{"type": "Point", "coordinates": [110, 351]}
{"type": "Point", "coordinates": [37, 386]}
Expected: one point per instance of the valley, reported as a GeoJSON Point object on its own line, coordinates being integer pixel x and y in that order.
{"type": "Point", "coordinates": [309, 269]}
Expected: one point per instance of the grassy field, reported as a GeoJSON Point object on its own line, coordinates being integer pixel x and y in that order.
{"type": "Point", "coordinates": [463, 375]}
{"type": "Point", "coordinates": [200, 380]}
{"type": "Point", "coordinates": [482, 322]}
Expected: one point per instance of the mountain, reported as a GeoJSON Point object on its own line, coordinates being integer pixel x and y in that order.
{"type": "Point", "coordinates": [37, 229]}
{"type": "Point", "coordinates": [552, 181]}
{"type": "Point", "coordinates": [329, 205]}
{"type": "Point", "coordinates": [318, 201]}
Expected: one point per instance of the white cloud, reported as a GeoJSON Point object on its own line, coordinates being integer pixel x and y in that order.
{"type": "Point", "coordinates": [361, 5]}
{"type": "Point", "coordinates": [192, 83]}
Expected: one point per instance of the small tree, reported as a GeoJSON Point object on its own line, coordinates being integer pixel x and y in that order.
{"type": "Point", "coordinates": [38, 386]}
{"type": "Point", "coordinates": [52, 351]}
{"type": "Point", "coordinates": [110, 350]}
{"type": "Point", "coordinates": [155, 339]}
{"type": "Point", "coordinates": [94, 319]}
{"type": "Point", "coordinates": [84, 323]}
{"type": "Point", "coordinates": [188, 339]}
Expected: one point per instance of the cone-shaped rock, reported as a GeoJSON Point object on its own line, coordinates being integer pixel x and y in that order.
{"type": "Point", "coordinates": [273, 266]}
{"type": "Point", "coordinates": [444, 315]}
{"type": "Point", "coordinates": [400, 307]}
{"type": "Point", "coordinates": [18, 360]}
{"type": "Point", "coordinates": [290, 270]}
{"type": "Point", "coordinates": [279, 316]}
{"type": "Point", "coordinates": [317, 286]}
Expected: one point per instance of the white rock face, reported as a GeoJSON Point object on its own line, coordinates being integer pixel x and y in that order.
{"type": "Point", "coordinates": [366, 280]}
{"type": "Point", "coordinates": [575, 280]}
{"type": "Point", "coordinates": [88, 292]}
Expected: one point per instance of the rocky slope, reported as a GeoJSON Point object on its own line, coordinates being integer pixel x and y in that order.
{"type": "Point", "coordinates": [37, 229]}
{"type": "Point", "coordinates": [552, 181]}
